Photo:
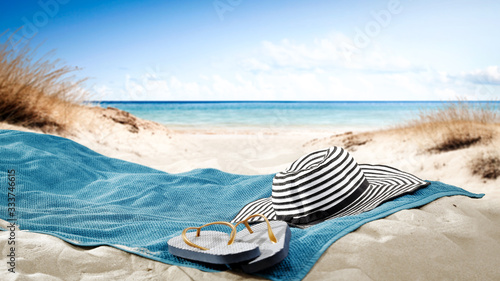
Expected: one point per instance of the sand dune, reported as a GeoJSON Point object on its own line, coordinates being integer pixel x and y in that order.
{"type": "Point", "coordinates": [452, 238]}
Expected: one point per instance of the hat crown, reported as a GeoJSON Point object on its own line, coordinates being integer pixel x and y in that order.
{"type": "Point", "coordinates": [316, 184]}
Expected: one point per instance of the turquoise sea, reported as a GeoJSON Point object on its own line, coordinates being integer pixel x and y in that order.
{"type": "Point", "coordinates": [335, 115]}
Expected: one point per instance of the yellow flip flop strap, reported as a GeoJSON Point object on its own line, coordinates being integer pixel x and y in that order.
{"type": "Point", "coordinates": [269, 230]}
{"type": "Point", "coordinates": [198, 229]}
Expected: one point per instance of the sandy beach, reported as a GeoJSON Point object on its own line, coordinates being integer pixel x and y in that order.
{"type": "Point", "coordinates": [182, 90]}
{"type": "Point", "coordinates": [452, 238]}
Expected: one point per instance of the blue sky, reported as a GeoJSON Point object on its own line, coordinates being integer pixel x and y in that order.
{"type": "Point", "coordinates": [269, 50]}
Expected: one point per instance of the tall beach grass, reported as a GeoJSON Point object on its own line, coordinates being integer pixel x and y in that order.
{"type": "Point", "coordinates": [39, 93]}
{"type": "Point", "coordinates": [458, 124]}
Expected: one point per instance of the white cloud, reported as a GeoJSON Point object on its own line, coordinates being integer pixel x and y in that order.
{"type": "Point", "coordinates": [319, 70]}
{"type": "Point", "coordinates": [252, 64]}
{"type": "Point", "coordinates": [303, 85]}
{"type": "Point", "coordinates": [328, 53]}
{"type": "Point", "coordinates": [101, 92]}
{"type": "Point", "coordinates": [446, 94]}
{"type": "Point", "coordinates": [490, 75]}
{"type": "Point", "coordinates": [145, 87]}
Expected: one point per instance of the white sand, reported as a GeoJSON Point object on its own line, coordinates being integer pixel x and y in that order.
{"type": "Point", "coordinates": [452, 238]}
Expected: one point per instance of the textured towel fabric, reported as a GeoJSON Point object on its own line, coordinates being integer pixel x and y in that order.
{"type": "Point", "coordinates": [67, 190]}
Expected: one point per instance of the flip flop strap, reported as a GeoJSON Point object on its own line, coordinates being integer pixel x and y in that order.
{"type": "Point", "coordinates": [198, 230]}
{"type": "Point", "coordinates": [269, 230]}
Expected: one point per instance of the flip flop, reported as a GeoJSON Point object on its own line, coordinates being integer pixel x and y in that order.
{"type": "Point", "coordinates": [273, 239]}
{"type": "Point", "coordinates": [254, 248]}
{"type": "Point", "coordinates": [212, 246]}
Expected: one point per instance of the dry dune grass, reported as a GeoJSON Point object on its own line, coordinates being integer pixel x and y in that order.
{"type": "Point", "coordinates": [486, 165]}
{"type": "Point", "coordinates": [37, 93]}
{"type": "Point", "coordinates": [457, 125]}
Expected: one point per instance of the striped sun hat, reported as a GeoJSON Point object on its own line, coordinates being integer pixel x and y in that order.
{"type": "Point", "coordinates": [327, 184]}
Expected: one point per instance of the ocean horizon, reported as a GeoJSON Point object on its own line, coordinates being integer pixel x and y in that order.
{"type": "Point", "coordinates": [328, 115]}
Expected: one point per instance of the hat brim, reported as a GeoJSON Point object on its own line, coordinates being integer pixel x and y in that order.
{"type": "Point", "coordinates": [385, 183]}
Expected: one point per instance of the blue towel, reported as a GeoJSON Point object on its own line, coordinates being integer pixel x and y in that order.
{"type": "Point", "coordinates": [69, 191]}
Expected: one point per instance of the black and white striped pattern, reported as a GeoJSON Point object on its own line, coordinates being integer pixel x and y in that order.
{"type": "Point", "coordinates": [262, 206]}
{"type": "Point", "coordinates": [317, 181]}
{"type": "Point", "coordinates": [328, 184]}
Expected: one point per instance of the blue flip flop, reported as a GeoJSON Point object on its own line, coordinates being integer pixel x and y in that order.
{"type": "Point", "coordinates": [252, 249]}
{"type": "Point", "coordinates": [212, 246]}
{"type": "Point", "coordinates": [273, 238]}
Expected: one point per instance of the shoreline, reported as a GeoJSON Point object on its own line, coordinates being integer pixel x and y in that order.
{"type": "Point", "coordinates": [336, 116]}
